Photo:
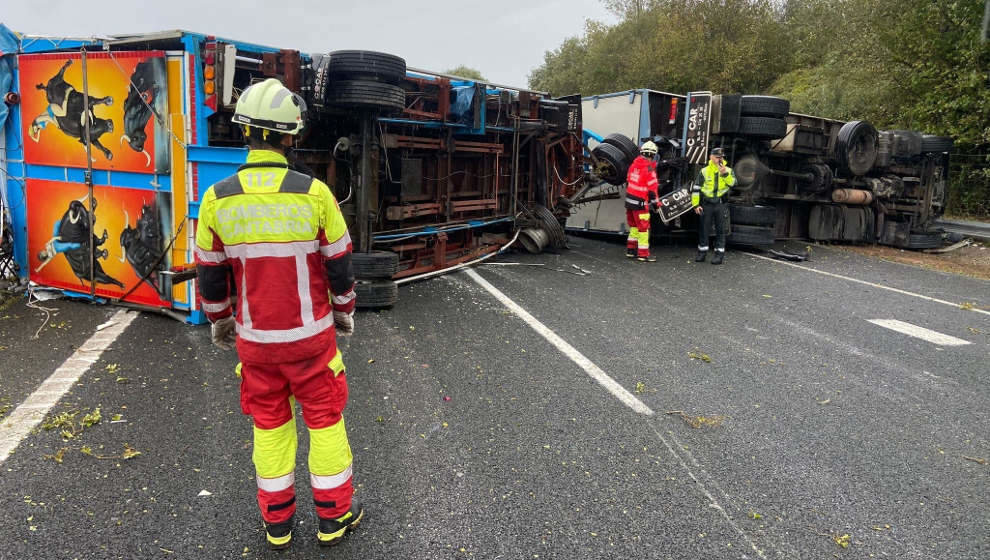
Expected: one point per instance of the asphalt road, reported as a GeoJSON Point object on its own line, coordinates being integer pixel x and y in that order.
{"type": "Point", "coordinates": [477, 437]}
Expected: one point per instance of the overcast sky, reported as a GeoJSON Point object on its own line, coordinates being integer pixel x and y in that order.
{"type": "Point", "coordinates": [504, 39]}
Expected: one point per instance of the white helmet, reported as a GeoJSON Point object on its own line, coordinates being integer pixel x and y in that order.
{"type": "Point", "coordinates": [271, 106]}
{"type": "Point", "coordinates": [648, 148]}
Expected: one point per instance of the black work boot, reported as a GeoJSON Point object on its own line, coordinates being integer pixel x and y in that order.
{"type": "Point", "coordinates": [279, 535]}
{"type": "Point", "coordinates": [718, 257]}
{"type": "Point", "coordinates": [702, 255]}
{"type": "Point", "coordinates": [631, 253]}
{"type": "Point", "coordinates": [648, 258]}
{"type": "Point", "coordinates": [332, 530]}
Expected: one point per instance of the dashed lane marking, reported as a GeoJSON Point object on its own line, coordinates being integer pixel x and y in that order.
{"type": "Point", "coordinates": [578, 358]}
{"type": "Point", "coordinates": [29, 414]}
{"type": "Point", "coordinates": [929, 335]}
{"type": "Point", "coordinates": [872, 284]}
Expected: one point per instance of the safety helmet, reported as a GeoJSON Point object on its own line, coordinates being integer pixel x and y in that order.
{"type": "Point", "coordinates": [271, 106]}
{"type": "Point", "coordinates": [648, 148]}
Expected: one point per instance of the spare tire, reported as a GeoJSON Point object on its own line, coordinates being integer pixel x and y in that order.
{"type": "Point", "coordinates": [376, 294]}
{"type": "Point", "coordinates": [550, 225]}
{"type": "Point", "coordinates": [615, 164]}
{"type": "Point", "coordinates": [856, 147]}
{"type": "Point", "coordinates": [753, 215]}
{"type": "Point", "coordinates": [375, 264]}
{"type": "Point", "coordinates": [936, 144]}
{"type": "Point", "coordinates": [762, 127]}
{"type": "Point", "coordinates": [366, 95]}
{"type": "Point", "coordinates": [764, 106]}
{"type": "Point", "coordinates": [752, 236]}
{"type": "Point", "coordinates": [623, 142]}
{"type": "Point", "coordinates": [367, 65]}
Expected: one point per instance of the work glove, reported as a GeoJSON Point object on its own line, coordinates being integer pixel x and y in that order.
{"type": "Point", "coordinates": [223, 333]}
{"type": "Point", "coordinates": [344, 322]}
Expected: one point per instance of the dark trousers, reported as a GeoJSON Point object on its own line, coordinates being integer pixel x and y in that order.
{"type": "Point", "coordinates": [719, 212]}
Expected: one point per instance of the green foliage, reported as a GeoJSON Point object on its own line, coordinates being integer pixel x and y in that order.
{"type": "Point", "coordinates": [917, 64]}
{"type": "Point", "coordinates": [463, 71]}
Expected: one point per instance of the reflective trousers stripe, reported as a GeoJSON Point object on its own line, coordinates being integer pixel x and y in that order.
{"type": "Point", "coordinates": [332, 481]}
{"type": "Point", "coordinates": [274, 452]}
{"type": "Point", "coordinates": [276, 484]}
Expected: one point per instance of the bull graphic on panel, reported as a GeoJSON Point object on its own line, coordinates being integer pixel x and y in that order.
{"type": "Point", "coordinates": [66, 110]}
{"type": "Point", "coordinates": [144, 90]}
{"type": "Point", "coordinates": [144, 246]}
{"type": "Point", "coordinates": [72, 237]}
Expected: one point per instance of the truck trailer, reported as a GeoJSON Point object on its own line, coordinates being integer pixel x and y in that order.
{"type": "Point", "coordinates": [798, 176]}
{"type": "Point", "coordinates": [109, 142]}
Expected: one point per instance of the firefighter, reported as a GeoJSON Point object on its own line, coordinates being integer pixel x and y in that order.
{"type": "Point", "coordinates": [280, 236]}
{"type": "Point", "coordinates": [709, 199]}
{"type": "Point", "coordinates": [641, 197]}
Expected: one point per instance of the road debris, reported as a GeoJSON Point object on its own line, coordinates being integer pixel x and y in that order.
{"type": "Point", "coordinates": [975, 460]}
{"type": "Point", "coordinates": [796, 257]}
{"type": "Point", "coordinates": [700, 356]}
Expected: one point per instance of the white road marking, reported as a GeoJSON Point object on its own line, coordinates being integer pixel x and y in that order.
{"type": "Point", "coordinates": [30, 413]}
{"type": "Point", "coordinates": [623, 395]}
{"type": "Point", "coordinates": [864, 282]}
{"type": "Point", "coordinates": [578, 358]}
{"type": "Point", "coordinates": [929, 335]}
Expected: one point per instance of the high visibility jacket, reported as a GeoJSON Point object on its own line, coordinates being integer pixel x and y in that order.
{"type": "Point", "coordinates": [641, 184]}
{"type": "Point", "coordinates": [711, 184]}
{"type": "Point", "coordinates": [280, 237]}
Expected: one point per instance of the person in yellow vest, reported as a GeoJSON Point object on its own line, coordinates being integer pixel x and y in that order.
{"type": "Point", "coordinates": [278, 235]}
{"type": "Point", "coordinates": [709, 197]}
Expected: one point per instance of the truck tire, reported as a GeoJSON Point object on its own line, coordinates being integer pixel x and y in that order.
{"type": "Point", "coordinates": [856, 147]}
{"type": "Point", "coordinates": [623, 142]}
{"type": "Point", "coordinates": [376, 294]}
{"type": "Point", "coordinates": [616, 164]}
{"type": "Point", "coordinates": [753, 215]}
{"type": "Point", "coordinates": [764, 106]}
{"type": "Point", "coordinates": [751, 236]}
{"type": "Point", "coordinates": [367, 65]}
{"type": "Point", "coordinates": [552, 227]}
{"type": "Point", "coordinates": [366, 95]}
{"type": "Point", "coordinates": [936, 144]}
{"type": "Point", "coordinates": [375, 264]}
{"type": "Point", "coordinates": [762, 127]}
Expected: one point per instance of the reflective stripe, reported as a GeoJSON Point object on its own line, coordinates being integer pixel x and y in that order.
{"type": "Point", "coordinates": [337, 247]}
{"type": "Point", "coordinates": [332, 481]}
{"type": "Point", "coordinates": [302, 285]}
{"type": "Point", "coordinates": [257, 250]}
{"type": "Point", "coordinates": [705, 248]}
{"type": "Point", "coordinates": [215, 257]}
{"type": "Point", "coordinates": [276, 484]}
{"type": "Point", "coordinates": [288, 335]}
{"type": "Point", "coordinates": [215, 307]}
{"type": "Point", "coordinates": [245, 312]}
{"type": "Point", "coordinates": [346, 298]}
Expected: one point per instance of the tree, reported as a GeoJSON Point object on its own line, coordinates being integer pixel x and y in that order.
{"type": "Point", "coordinates": [463, 71]}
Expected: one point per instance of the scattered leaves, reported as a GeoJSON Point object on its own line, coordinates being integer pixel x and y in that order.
{"type": "Point", "coordinates": [967, 306]}
{"type": "Point", "coordinates": [640, 387]}
{"type": "Point", "coordinates": [700, 421]}
{"type": "Point", "coordinates": [125, 380]}
{"type": "Point", "coordinates": [57, 457]}
{"type": "Point", "coordinates": [130, 452]}
{"type": "Point", "coordinates": [842, 541]}
{"type": "Point", "coordinates": [754, 515]}
{"type": "Point", "coordinates": [112, 368]}
{"type": "Point", "coordinates": [826, 401]}
{"type": "Point", "coordinates": [700, 356]}
{"type": "Point", "coordinates": [92, 418]}
{"type": "Point", "coordinates": [975, 460]}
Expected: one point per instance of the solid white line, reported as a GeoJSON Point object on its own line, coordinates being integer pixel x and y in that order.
{"type": "Point", "coordinates": [29, 414]}
{"type": "Point", "coordinates": [864, 282]}
{"type": "Point", "coordinates": [578, 358]}
{"type": "Point", "coordinates": [929, 335]}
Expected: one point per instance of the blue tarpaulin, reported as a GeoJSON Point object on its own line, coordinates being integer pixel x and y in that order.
{"type": "Point", "coordinates": [9, 44]}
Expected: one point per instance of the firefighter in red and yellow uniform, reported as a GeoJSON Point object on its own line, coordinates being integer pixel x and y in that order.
{"type": "Point", "coordinates": [641, 197]}
{"type": "Point", "coordinates": [280, 237]}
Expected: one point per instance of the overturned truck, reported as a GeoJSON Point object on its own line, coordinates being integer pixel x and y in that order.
{"type": "Point", "coordinates": [798, 176]}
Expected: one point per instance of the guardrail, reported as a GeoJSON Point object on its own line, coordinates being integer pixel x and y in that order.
{"type": "Point", "coordinates": [979, 230]}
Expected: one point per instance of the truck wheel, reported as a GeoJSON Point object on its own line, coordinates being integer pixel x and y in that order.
{"type": "Point", "coordinates": [552, 227]}
{"type": "Point", "coordinates": [764, 106]}
{"type": "Point", "coordinates": [623, 142]}
{"type": "Point", "coordinates": [762, 127]}
{"type": "Point", "coordinates": [753, 215]}
{"type": "Point", "coordinates": [367, 65]}
{"type": "Point", "coordinates": [751, 236]}
{"type": "Point", "coordinates": [936, 144]}
{"type": "Point", "coordinates": [376, 294]}
{"type": "Point", "coordinates": [375, 264]}
{"type": "Point", "coordinates": [856, 147]}
{"type": "Point", "coordinates": [366, 95]}
{"type": "Point", "coordinates": [615, 164]}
